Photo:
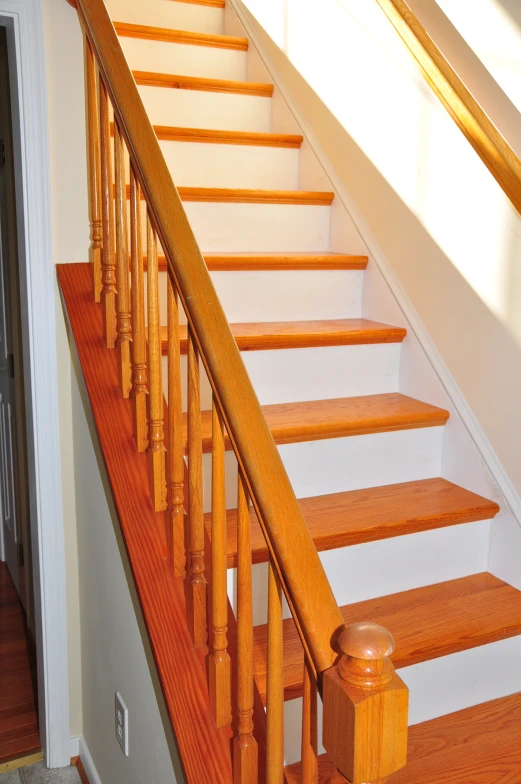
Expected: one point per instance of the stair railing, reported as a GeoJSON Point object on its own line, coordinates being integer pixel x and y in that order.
{"type": "Point", "coordinates": [133, 202]}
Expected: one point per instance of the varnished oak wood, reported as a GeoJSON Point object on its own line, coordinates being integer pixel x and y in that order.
{"type": "Point", "coordinates": [493, 149]}
{"type": "Point", "coordinates": [175, 460]}
{"type": "Point", "coordinates": [359, 516]}
{"type": "Point", "coordinates": [234, 262]}
{"type": "Point", "coordinates": [169, 133]}
{"type": "Point", "coordinates": [126, 29]}
{"type": "Point", "coordinates": [318, 419]}
{"type": "Point", "coordinates": [253, 196]}
{"type": "Point", "coordinates": [425, 622]}
{"type": "Point", "coordinates": [309, 754]}
{"type": "Point", "coordinates": [212, 3]}
{"type": "Point", "coordinates": [313, 604]}
{"type": "Point", "coordinates": [18, 694]}
{"type": "Point", "coordinates": [123, 324]}
{"type": "Point", "coordinates": [181, 82]}
{"type": "Point", "coordinates": [139, 349]}
{"type": "Point", "coordinates": [275, 683]}
{"type": "Point", "coordinates": [108, 259]}
{"type": "Point", "coordinates": [479, 744]}
{"type": "Point", "coordinates": [305, 334]}
{"type": "Point", "coordinates": [93, 144]}
{"type": "Point", "coordinates": [203, 749]}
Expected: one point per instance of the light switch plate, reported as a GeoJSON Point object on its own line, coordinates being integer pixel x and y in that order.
{"type": "Point", "coordinates": [122, 723]}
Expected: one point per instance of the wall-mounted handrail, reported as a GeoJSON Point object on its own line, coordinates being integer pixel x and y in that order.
{"type": "Point", "coordinates": [292, 549]}
{"type": "Point", "coordinates": [491, 146]}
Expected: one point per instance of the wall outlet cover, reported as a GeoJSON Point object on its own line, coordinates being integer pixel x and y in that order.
{"type": "Point", "coordinates": [122, 723]}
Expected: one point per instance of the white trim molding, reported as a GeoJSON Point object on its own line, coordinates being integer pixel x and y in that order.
{"type": "Point", "coordinates": [88, 763]}
{"type": "Point", "coordinates": [24, 22]}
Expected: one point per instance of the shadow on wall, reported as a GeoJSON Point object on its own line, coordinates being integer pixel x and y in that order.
{"type": "Point", "coordinates": [513, 9]}
{"type": "Point", "coordinates": [478, 348]}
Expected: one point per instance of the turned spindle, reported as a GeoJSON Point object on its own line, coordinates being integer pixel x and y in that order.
{"type": "Point", "coordinates": [365, 707]}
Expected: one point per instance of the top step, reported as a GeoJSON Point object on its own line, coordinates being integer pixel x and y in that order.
{"type": "Point", "coordinates": [201, 17]}
{"type": "Point", "coordinates": [149, 33]}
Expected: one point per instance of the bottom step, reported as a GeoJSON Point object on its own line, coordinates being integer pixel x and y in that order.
{"type": "Point", "coordinates": [479, 745]}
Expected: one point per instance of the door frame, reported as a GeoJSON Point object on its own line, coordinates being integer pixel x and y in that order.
{"type": "Point", "coordinates": [26, 50]}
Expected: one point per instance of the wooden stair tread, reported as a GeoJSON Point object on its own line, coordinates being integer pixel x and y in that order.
{"type": "Point", "coordinates": [251, 196]}
{"type": "Point", "coordinates": [205, 136]}
{"type": "Point", "coordinates": [426, 623]}
{"type": "Point", "coordinates": [234, 262]}
{"type": "Point", "coordinates": [128, 30]}
{"type": "Point", "coordinates": [212, 3]}
{"type": "Point", "coordinates": [478, 744]}
{"type": "Point", "coordinates": [359, 516]}
{"type": "Point", "coordinates": [253, 336]}
{"type": "Point", "coordinates": [180, 82]}
{"type": "Point", "coordinates": [318, 419]}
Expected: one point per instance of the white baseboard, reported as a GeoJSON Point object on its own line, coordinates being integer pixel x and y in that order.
{"type": "Point", "coordinates": [88, 763]}
{"type": "Point", "coordinates": [74, 747]}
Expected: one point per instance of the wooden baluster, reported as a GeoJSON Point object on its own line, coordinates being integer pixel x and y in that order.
{"type": "Point", "coordinates": [365, 707]}
{"type": "Point", "coordinates": [156, 447]}
{"type": "Point", "coordinates": [139, 345]}
{"type": "Point", "coordinates": [122, 271]}
{"type": "Point", "coordinates": [96, 233]}
{"type": "Point", "coordinates": [275, 683]}
{"type": "Point", "coordinates": [196, 580]}
{"type": "Point", "coordinates": [309, 774]}
{"type": "Point", "coordinates": [219, 663]}
{"type": "Point", "coordinates": [175, 456]}
{"type": "Point", "coordinates": [245, 751]}
{"type": "Point", "coordinates": [108, 272]}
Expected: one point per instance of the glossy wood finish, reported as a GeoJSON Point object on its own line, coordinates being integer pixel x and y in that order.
{"type": "Point", "coordinates": [235, 262]}
{"type": "Point", "coordinates": [18, 693]}
{"type": "Point", "coordinates": [309, 748]}
{"type": "Point", "coordinates": [212, 3]}
{"type": "Point", "coordinates": [478, 128]}
{"type": "Point", "coordinates": [271, 335]}
{"type": "Point", "coordinates": [205, 750]}
{"type": "Point", "coordinates": [93, 144]}
{"type": "Point", "coordinates": [219, 670]}
{"type": "Point", "coordinates": [252, 196]}
{"type": "Point", "coordinates": [175, 459]}
{"type": "Point", "coordinates": [318, 419]}
{"type": "Point", "coordinates": [242, 138]}
{"type": "Point", "coordinates": [425, 622]}
{"type": "Point", "coordinates": [123, 324]}
{"type": "Point", "coordinates": [245, 747]}
{"type": "Point", "coordinates": [275, 683]}
{"type": "Point", "coordinates": [479, 744]}
{"type": "Point", "coordinates": [372, 514]}
{"type": "Point", "coordinates": [196, 580]}
{"type": "Point", "coordinates": [179, 82]}
{"type": "Point", "coordinates": [125, 29]}
{"type": "Point", "coordinates": [156, 447]}
{"type": "Point", "coordinates": [108, 294]}
{"type": "Point", "coordinates": [139, 348]}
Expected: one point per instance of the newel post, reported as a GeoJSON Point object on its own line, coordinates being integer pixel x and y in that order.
{"type": "Point", "coordinates": [365, 707]}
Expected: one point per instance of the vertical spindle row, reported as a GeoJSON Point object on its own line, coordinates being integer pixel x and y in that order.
{"type": "Point", "coordinates": [245, 751]}
{"type": "Point", "coordinates": [108, 271]}
{"type": "Point", "coordinates": [156, 446]}
{"type": "Point", "coordinates": [219, 664]}
{"type": "Point", "coordinates": [175, 456]}
{"type": "Point", "coordinates": [96, 234]}
{"type": "Point", "coordinates": [122, 270]}
{"type": "Point", "coordinates": [196, 580]}
{"type": "Point", "coordinates": [309, 764]}
{"type": "Point", "coordinates": [275, 683]}
{"type": "Point", "coordinates": [139, 347]}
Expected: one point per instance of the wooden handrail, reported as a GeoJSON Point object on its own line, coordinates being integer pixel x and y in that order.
{"type": "Point", "coordinates": [293, 552]}
{"type": "Point", "coordinates": [491, 146]}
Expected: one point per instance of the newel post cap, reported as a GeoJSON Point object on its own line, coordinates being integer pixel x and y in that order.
{"type": "Point", "coordinates": [367, 641]}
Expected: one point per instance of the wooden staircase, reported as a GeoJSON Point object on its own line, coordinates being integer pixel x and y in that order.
{"type": "Point", "coordinates": [430, 620]}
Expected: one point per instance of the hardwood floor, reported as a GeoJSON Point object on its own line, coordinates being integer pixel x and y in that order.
{"type": "Point", "coordinates": [18, 709]}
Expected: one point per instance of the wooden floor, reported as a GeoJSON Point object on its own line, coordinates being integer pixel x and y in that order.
{"type": "Point", "coordinates": [18, 712]}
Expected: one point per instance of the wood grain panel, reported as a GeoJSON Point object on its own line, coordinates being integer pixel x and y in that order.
{"type": "Point", "coordinates": [304, 334]}
{"type": "Point", "coordinates": [181, 82]}
{"type": "Point", "coordinates": [234, 262]}
{"type": "Point", "coordinates": [478, 745]}
{"type": "Point", "coordinates": [204, 750]}
{"type": "Point", "coordinates": [127, 30]}
{"type": "Point", "coordinates": [375, 513]}
{"type": "Point", "coordinates": [426, 623]}
{"type": "Point", "coordinates": [318, 419]}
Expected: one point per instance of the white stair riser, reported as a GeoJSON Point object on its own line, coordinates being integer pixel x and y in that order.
{"type": "Point", "coordinates": [292, 375]}
{"type": "Point", "coordinates": [165, 13]}
{"type": "Point", "coordinates": [232, 166]}
{"type": "Point", "coordinates": [436, 687]}
{"type": "Point", "coordinates": [337, 464]}
{"type": "Point", "coordinates": [210, 62]}
{"type": "Point", "coordinates": [213, 111]}
{"type": "Point", "coordinates": [283, 295]}
{"type": "Point", "coordinates": [387, 566]}
{"type": "Point", "coordinates": [265, 228]}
